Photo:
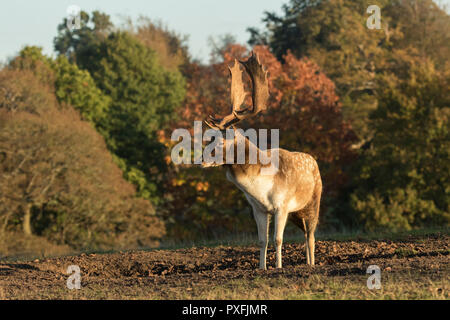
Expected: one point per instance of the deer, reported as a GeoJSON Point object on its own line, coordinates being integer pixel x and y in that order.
{"type": "Point", "coordinates": [292, 192]}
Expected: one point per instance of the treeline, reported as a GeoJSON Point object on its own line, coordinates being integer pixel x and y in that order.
{"type": "Point", "coordinates": [85, 137]}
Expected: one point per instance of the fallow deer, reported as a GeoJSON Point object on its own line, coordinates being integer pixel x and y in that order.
{"type": "Point", "coordinates": [293, 191]}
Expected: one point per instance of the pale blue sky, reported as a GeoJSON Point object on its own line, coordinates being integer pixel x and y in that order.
{"type": "Point", "coordinates": [28, 22]}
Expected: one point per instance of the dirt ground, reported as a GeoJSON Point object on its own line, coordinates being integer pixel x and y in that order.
{"type": "Point", "coordinates": [231, 272]}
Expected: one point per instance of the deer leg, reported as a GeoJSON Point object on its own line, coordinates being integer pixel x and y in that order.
{"type": "Point", "coordinates": [311, 240]}
{"type": "Point", "coordinates": [308, 259]}
{"type": "Point", "coordinates": [262, 222]}
{"type": "Point", "coordinates": [311, 245]}
{"type": "Point", "coordinates": [280, 223]}
{"type": "Point", "coordinates": [312, 224]}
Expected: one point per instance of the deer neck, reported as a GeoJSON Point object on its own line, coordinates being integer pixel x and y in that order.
{"type": "Point", "coordinates": [246, 169]}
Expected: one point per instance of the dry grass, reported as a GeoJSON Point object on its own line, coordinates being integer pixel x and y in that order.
{"type": "Point", "coordinates": [394, 287]}
{"type": "Point", "coordinates": [322, 287]}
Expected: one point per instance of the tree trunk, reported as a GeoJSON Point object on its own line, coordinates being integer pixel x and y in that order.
{"type": "Point", "coordinates": [27, 220]}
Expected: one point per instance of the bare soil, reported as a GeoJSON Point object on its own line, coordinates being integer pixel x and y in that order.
{"type": "Point", "coordinates": [190, 273]}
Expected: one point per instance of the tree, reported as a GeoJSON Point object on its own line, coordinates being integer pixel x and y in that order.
{"type": "Point", "coordinates": [334, 35]}
{"type": "Point", "coordinates": [424, 29]}
{"type": "Point", "coordinates": [77, 88]}
{"type": "Point", "coordinates": [58, 179]}
{"type": "Point", "coordinates": [219, 47]}
{"type": "Point", "coordinates": [31, 58]}
{"type": "Point", "coordinates": [142, 93]}
{"type": "Point", "coordinates": [144, 97]}
{"type": "Point", "coordinates": [404, 174]}
{"type": "Point", "coordinates": [170, 47]}
{"type": "Point", "coordinates": [81, 45]}
{"type": "Point", "coordinates": [72, 86]}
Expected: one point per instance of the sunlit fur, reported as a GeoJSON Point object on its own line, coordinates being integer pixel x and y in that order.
{"type": "Point", "coordinates": [293, 192]}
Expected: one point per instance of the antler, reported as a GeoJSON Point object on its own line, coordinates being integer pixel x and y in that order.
{"type": "Point", "coordinates": [260, 93]}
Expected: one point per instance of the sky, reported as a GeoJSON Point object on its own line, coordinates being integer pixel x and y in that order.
{"type": "Point", "coordinates": [35, 22]}
{"type": "Point", "coordinates": [28, 22]}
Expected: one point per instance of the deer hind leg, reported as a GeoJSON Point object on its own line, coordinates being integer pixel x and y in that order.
{"type": "Point", "coordinates": [280, 224]}
{"type": "Point", "coordinates": [262, 222]}
{"type": "Point", "coordinates": [298, 218]}
{"type": "Point", "coordinates": [311, 227]}
{"type": "Point", "coordinates": [307, 221]}
{"type": "Point", "coordinates": [311, 244]}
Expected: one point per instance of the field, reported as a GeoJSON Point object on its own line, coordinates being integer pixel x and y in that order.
{"type": "Point", "coordinates": [413, 266]}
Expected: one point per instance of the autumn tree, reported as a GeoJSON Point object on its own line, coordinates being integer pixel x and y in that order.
{"type": "Point", "coordinates": [423, 29]}
{"type": "Point", "coordinates": [170, 47]}
{"type": "Point", "coordinates": [31, 58]}
{"type": "Point", "coordinates": [58, 179]}
{"type": "Point", "coordinates": [71, 85]}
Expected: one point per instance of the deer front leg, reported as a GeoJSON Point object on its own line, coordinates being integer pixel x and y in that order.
{"type": "Point", "coordinates": [280, 223]}
{"type": "Point", "coordinates": [262, 222]}
{"type": "Point", "coordinates": [307, 249]}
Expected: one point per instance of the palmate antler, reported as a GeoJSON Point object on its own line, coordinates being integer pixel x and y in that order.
{"type": "Point", "coordinates": [260, 93]}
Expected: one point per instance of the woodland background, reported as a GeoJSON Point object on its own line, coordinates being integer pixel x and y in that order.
{"type": "Point", "coordinates": [85, 136]}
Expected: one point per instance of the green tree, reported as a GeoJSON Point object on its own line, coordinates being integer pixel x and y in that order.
{"type": "Point", "coordinates": [143, 93]}
{"type": "Point", "coordinates": [81, 45]}
{"type": "Point", "coordinates": [144, 96]}
{"type": "Point", "coordinates": [405, 172]}
{"type": "Point", "coordinates": [77, 88]}
{"type": "Point", "coordinates": [334, 35]}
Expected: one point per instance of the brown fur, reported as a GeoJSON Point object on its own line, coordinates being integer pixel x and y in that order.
{"type": "Point", "coordinates": [297, 183]}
